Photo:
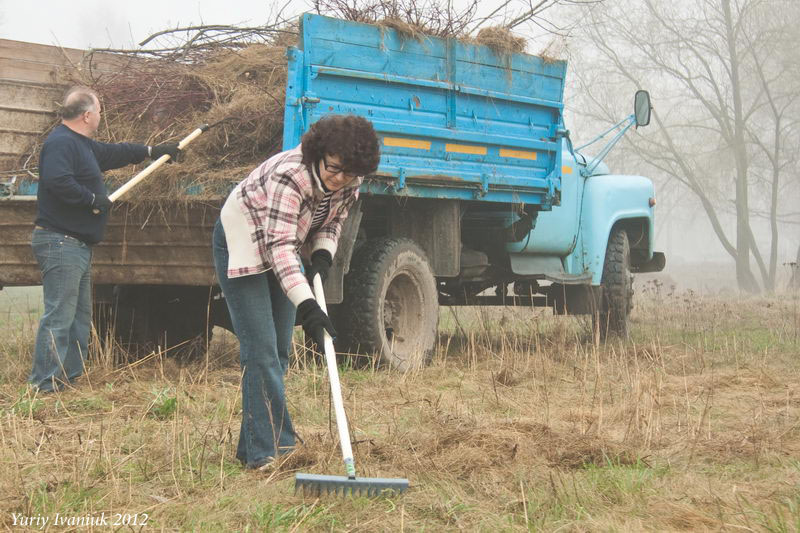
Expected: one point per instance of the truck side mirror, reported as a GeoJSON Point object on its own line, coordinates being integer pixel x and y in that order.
{"type": "Point", "coordinates": [641, 108]}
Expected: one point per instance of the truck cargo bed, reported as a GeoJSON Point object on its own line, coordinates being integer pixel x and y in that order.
{"type": "Point", "coordinates": [456, 120]}
{"type": "Point", "coordinates": [166, 244]}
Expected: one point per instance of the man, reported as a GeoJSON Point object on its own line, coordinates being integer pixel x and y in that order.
{"type": "Point", "coordinates": [71, 217]}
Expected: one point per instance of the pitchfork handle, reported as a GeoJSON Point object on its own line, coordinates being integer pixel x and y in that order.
{"type": "Point", "coordinates": [153, 166]}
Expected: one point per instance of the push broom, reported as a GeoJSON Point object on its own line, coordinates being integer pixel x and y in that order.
{"type": "Point", "coordinates": [348, 484]}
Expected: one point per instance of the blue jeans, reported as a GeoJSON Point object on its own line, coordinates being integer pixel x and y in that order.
{"type": "Point", "coordinates": [62, 340]}
{"type": "Point", "coordinates": [263, 320]}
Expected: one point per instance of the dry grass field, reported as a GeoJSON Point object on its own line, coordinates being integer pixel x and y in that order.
{"type": "Point", "coordinates": [521, 423]}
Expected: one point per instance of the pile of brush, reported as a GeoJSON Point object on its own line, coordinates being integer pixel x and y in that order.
{"type": "Point", "coordinates": [155, 100]}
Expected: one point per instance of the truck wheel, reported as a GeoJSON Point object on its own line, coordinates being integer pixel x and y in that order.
{"type": "Point", "coordinates": [391, 304]}
{"type": "Point", "coordinates": [142, 319]}
{"type": "Point", "coordinates": [617, 288]}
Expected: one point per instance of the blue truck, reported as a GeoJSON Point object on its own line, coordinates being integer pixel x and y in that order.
{"type": "Point", "coordinates": [479, 199]}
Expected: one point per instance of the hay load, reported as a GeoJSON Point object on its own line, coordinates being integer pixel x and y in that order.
{"type": "Point", "coordinates": [501, 40]}
{"type": "Point", "coordinates": [158, 100]}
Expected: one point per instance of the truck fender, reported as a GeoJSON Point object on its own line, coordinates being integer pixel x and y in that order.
{"type": "Point", "coordinates": [609, 200]}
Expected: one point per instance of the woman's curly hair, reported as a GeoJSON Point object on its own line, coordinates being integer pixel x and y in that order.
{"type": "Point", "coordinates": [350, 137]}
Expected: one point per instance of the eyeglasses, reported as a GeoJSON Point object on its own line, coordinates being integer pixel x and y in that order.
{"type": "Point", "coordinates": [335, 169]}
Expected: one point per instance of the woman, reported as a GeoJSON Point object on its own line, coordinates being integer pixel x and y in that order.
{"type": "Point", "coordinates": [295, 198]}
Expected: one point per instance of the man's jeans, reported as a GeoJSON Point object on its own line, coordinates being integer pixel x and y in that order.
{"type": "Point", "coordinates": [63, 337]}
{"type": "Point", "coordinates": [263, 320]}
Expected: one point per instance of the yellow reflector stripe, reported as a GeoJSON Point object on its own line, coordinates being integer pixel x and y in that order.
{"type": "Point", "coordinates": [465, 149]}
{"type": "Point", "coordinates": [519, 154]}
{"type": "Point", "coordinates": [566, 170]}
{"type": "Point", "coordinates": [406, 143]}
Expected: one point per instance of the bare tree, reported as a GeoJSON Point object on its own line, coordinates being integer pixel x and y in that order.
{"type": "Point", "coordinates": [724, 73]}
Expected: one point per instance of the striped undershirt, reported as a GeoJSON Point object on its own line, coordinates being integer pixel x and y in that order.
{"type": "Point", "coordinates": [322, 212]}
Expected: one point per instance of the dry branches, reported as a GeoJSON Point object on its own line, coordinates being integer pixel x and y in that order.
{"type": "Point", "coordinates": [429, 17]}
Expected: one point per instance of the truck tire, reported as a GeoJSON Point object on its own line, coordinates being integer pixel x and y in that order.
{"type": "Point", "coordinates": [616, 300]}
{"type": "Point", "coordinates": [391, 305]}
{"type": "Point", "coordinates": [143, 319]}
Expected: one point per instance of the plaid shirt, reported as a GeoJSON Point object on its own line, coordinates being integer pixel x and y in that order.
{"type": "Point", "coordinates": [267, 219]}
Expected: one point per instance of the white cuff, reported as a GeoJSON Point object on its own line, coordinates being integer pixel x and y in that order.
{"type": "Point", "coordinates": [300, 293]}
{"type": "Point", "coordinates": [324, 244]}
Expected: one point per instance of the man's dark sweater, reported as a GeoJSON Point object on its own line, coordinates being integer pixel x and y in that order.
{"type": "Point", "coordinates": [71, 170]}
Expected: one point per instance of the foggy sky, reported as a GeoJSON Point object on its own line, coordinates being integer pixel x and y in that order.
{"type": "Point", "coordinates": [102, 24]}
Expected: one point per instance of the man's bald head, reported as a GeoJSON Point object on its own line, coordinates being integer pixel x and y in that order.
{"type": "Point", "coordinates": [77, 101]}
